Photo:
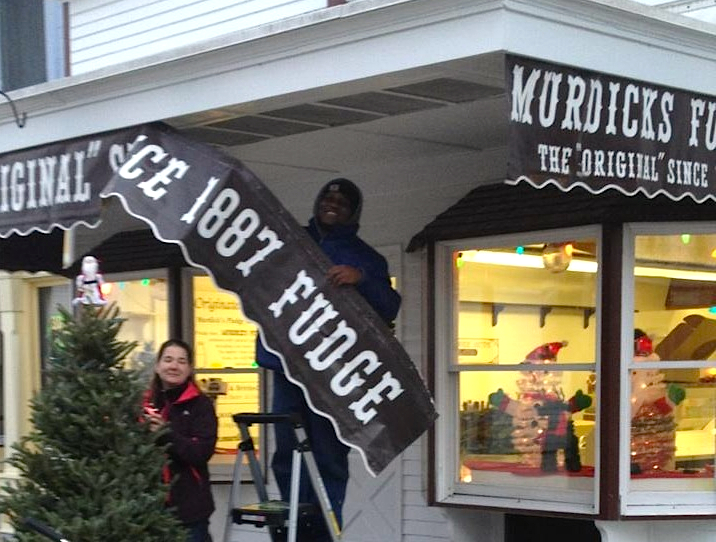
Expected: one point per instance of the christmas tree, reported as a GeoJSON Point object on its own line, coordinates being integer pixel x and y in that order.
{"type": "Point", "coordinates": [90, 469]}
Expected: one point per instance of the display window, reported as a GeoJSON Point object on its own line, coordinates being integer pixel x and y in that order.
{"type": "Point", "coordinates": [516, 374]}
{"type": "Point", "coordinates": [49, 298]}
{"type": "Point", "coordinates": [670, 434]}
{"type": "Point", "coordinates": [142, 302]}
{"type": "Point", "coordinates": [225, 344]}
{"type": "Point", "coordinates": [141, 299]}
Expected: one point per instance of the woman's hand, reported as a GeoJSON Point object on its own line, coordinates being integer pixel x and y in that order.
{"type": "Point", "coordinates": [154, 418]}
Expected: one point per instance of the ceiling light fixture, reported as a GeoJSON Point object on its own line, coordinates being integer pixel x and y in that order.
{"type": "Point", "coordinates": [494, 257]}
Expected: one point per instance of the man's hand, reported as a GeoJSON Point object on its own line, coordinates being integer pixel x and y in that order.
{"type": "Point", "coordinates": [339, 275]}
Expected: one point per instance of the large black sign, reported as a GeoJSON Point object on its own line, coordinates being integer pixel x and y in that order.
{"type": "Point", "coordinates": [58, 185]}
{"type": "Point", "coordinates": [573, 127]}
{"type": "Point", "coordinates": [331, 343]}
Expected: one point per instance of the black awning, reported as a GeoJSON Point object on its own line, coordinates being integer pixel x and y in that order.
{"type": "Point", "coordinates": [579, 129]}
{"type": "Point", "coordinates": [33, 252]}
{"type": "Point", "coordinates": [135, 250]}
{"type": "Point", "coordinates": [58, 185]}
{"type": "Point", "coordinates": [496, 209]}
{"type": "Point", "coordinates": [125, 251]}
{"type": "Point", "coordinates": [47, 189]}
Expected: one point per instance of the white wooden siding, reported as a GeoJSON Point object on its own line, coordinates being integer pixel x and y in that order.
{"type": "Point", "coordinates": [420, 522]}
{"type": "Point", "coordinates": [108, 32]}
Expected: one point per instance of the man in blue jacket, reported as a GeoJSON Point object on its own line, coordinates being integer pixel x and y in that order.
{"type": "Point", "coordinates": [356, 264]}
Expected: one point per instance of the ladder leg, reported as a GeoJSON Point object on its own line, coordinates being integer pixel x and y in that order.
{"type": "Point", "coordinates": [247, 445]}
{"type": "Point", "coordinates": [233, 494]}
{"type": "Point", "coordinates": [319, 488]}
{"type": "Point", "coordinates": [293, 497]}
{"type": "Point", "coordinates": [324, 502]}
{"type": "Point", "coordinates": [281, 518]}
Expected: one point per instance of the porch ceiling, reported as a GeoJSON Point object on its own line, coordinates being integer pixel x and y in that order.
{"type": "Point", "coordinates": [227, 130]}
{"type": "Point", "coordinates": [457, 105]}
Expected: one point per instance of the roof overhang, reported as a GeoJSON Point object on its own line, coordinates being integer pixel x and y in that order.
{"type": "Point", "coordinates": [369, 88]}
{"type": "Point", "coordinates": [359, 47]}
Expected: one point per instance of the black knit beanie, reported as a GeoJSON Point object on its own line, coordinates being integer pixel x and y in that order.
{"type": "Point", "coordinates": [349, 190]}
{"type": "Point", "coordinates": [345, 188]}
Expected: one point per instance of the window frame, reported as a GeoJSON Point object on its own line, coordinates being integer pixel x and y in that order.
{"type": "Point", "coordinates": [447, 490]}
{"type": "Point", "coordinates": [42, 24]}
{"type": "Point", "coordinates": [223, 472]}
{"type": "Point", "coordinates": [643, 502]}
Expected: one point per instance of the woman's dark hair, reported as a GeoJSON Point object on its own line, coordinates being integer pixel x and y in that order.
{"type": "Point", "coordinates": [156, 385]}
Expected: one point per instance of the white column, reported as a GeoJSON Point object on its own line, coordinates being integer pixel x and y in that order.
{"type": "Point", "coordinates": [616, 531]}
{"type": "Point", "coordinates": [11, 311]}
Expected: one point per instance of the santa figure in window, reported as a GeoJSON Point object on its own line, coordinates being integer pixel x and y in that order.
{"type": "Point", "coordinates": [89, 284]}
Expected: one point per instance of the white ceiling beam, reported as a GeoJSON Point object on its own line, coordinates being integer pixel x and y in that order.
{"type": "Point", "coordinates": [686, 6]}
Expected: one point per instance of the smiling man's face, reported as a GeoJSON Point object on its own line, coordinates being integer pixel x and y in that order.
{"type": "Point", "coordinates": [334, 209]}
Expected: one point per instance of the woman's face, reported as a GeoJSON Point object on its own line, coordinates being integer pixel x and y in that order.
{"type": "Point", "coordinates": [173, 366]}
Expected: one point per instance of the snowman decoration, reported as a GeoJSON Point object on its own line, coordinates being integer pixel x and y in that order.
{"type": "Point", "coordinates": [653, 426]}
{"type": "Point", "coordinates": [89, 284]}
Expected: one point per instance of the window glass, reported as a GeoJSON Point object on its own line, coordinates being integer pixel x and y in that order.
{"type": "Point", "coordinates": [522, 369]}
{"type": "Point", "coordinates": [223, 338]}
{"type": "Point", "coordinates": [225, 344]}
{"type": "Point", "coordinates": [142, 302]}
{"type": "Point", "coordinates": [22, 45]}
{"type": "Point", "coordinates": [54, 19]}
{"type": "Point", "coordinates": [49, 298]}
{"type": "Point", "coordinates": [673, 371]}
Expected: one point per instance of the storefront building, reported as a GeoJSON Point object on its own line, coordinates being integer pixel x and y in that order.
{"type": "Point", "coordinates": [538, 174]}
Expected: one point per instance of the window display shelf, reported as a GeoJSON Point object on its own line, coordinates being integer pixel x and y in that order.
{"type": "Point", "coordinates": [544, 310]}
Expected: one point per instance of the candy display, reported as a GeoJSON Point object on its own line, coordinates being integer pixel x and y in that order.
{"type": "Point", "coordinates": [485, 430]}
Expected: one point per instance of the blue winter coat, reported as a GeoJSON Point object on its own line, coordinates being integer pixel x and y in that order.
{"type": "Point", "coordinates": [343, 246]}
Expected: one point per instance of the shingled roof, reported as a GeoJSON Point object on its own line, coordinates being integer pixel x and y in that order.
{"type": "Point", "coordinates": [501, 208]}
{"type": "Point", "coordinates": [133, 251]}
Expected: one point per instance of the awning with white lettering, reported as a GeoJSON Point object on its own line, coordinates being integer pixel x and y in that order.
{"type": "Point", "coordinates": [332, 344]}
{"type": "Point", "coordinates": [574, 128]}
{"type": "Point", "coordinates": [58, 185]}
{"type": "Point", "coordinates": [48, 190]}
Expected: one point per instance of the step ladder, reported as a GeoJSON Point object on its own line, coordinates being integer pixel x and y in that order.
{"type": "Point", "coordinates": [281, 518]}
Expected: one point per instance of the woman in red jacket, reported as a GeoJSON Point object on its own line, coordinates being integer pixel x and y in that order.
{"type": "Point", "coordinates": [176, 401]}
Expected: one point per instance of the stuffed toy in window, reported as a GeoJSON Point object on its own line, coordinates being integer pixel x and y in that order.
{"type": "Point", "coordinates": [541, 417]}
